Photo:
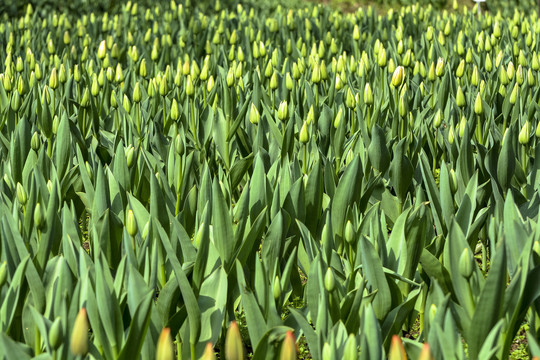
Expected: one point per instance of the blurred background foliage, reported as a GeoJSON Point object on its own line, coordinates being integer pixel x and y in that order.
{"type": "Point", "coordinates": [9, 8]}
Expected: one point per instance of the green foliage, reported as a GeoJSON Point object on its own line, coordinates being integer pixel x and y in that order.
{"type": "Point", "coordinates": [168, 170]}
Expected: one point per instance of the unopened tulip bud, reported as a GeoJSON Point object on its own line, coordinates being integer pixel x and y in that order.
{"type": "Point", "coordinates": [397, 351]}
{"type": "Point", "coordinates": [478, 105]}
{"type": "Point", "coordinates": [368, 95]}
{"type": "Point", "coordinates": [460, 98]}
{"type": "Point", "coordinates": [304, 133]}
{"type": "Point", "coordinates": [165, 347]}
{"type": "Point", "coordinates": [398, 76]}
{"type": "Point", "coordinates": [234, 349]}
{"type": "Point", "coordinates": [288, 348]}
{"type": "Point", "coordinates": [130, 156]}
{"type": "Point", "coordinates": [329, 280]}
{"type": "Point", "coordinates": [337, 119]}
{"type": "Point", "coordinates": [131, 223]}
{"type": "Point", "coordinates": [510, 70]}
{"type": "Point", "coordinates": [210, 83]}
{"type": "Point", "coordinates": [432, 74]}
{"type": "Point", "coordinates": [351, 348]}
{"type": "Point", "coordinates": [53, 79]}
{"type": "Point", "coordinates": [79, 336]}
{"type": "Point", "coordinates": [514, 94]}
{"type": "Point", "coordinates": [466, 263]}
{"type": "Point", "coordinates": [102, 50]}
{"type": "Point", "coordinates": [274, 81]}
{"type": "Point", "coordinates": [21, 194]}
{"type": "Point", "coordinates": [438, 119]}
{"type": "Point", "coordinates": [475, 78]}
{"type": "Point", "coordinates": [439, 70]}
{"type": "Point", "coordinates": [209, 352]}
{"type": "Point", "coordinates": [381, 59]}
{"type": "Point", "coordinates": [254, 115]}
{"type": "Point", "coordinates": [277, 288]}
{"type": "Point", "coordinates": [525, 133]}
{"type": "Point", "coordinates": [56, 334]}
{"type": "Point", "coordinates": [283, 113]}
{"type": "Point", "coordinates": [126, 104]}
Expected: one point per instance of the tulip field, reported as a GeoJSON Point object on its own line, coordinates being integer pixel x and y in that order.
{"type": "Point", "coordinates": [258, 181]}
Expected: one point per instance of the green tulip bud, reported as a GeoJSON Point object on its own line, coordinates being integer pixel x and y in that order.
{"type": "Point", "coordinates": [179, 145]}
{"type": "Point", "coordinates": [451, 135]}
{"type": "Point", "coordinates": [339, 83]}
{"type": "Point", "coordinates": [402, 106]}
{"type": "Point", "coordinates": [329, 280]}
{"type": "Point", "coordinates": [126, 104]}
{"type": "Point", "coordinates": [289, 83]}
{"type": "Point", "coordinates": [478, 105]}
{"type": "Point", "coordinates": [254, 114]}
{"type": "Point", "coordinates": [462, 126]}
{"type": "Point", "coordinates": [35, 141]}
{"type": "Point", "coordinates": [137, 95]}
{"type": "Point", "coordinates": [130, 156]}
{"type": "Point", "coordinates": [39, 218]}
{"type": "Point", "coordinates": [210, 83]}
{"type": "Point", "coordinates": [337, 119]}
{"type": "Point", "coordinates": [53, 79]}
{"type": "Point", "coordinates": [432, 74]}
{"type": "Point", "coordinates": [475, 78]}
{"type": "Point", "coordinates": [519, 75]}
{"type": "Point", "coordinates": [356, 32]}
{"type": "Point", "coordinates": [102, 50]}
{"type": "Point", "coordinates": [350, 100]}
{"type": "Point", "coordinates": [349, 233]}
{"type": "Point", "coordinates": [37, 70]}
{"type": "Point", "coordinates": [502, 90]}
{"type": "Point", "coordinates": [175, 113]}
{"type": "Point", "coordinates": [234, 349]}
{"type": "Point", "coordinates": [487, 64]}
{"type": "Point", "coordinates": [21, 195]}
{"type": "Point", "coordinates": [453, 181]}
{"type": "Point", "coordinates": [468, 56]}
{"type": "Point", "coordinates": [304, 133]}
{"type": "Point", "coordinates": [164, 86]}
{"type": "Point", "coordinates": [398, 76]}
{"type": "Point", "coordinates": [466, 263]}
{"type": "Point", "coordinates": [510, 70]}
{"type": "Point", "coordinates": [351, 348]}
{"type": "Point", "coordinates": [277, 288]}
{"type": "Point", "coordinates": [514, 94]}
{"type": "Point", "coordinates": [131, 223]}
{"type": "Point", "coordinates": [56, 334]}
{"type": "Point", "coordinates": [316, 74]}
{"type": "Point", "coordinates": [407, 58]}
{"type": "Point", "coordinates": [79, 336]}
{"type": "Point", "coordinates": [530, 78]}
{"type": "Point", "coordinates": [55, 124]}
{"type": "Point", "coordinates": [381, 59]}
{"type": "Point", "coordinates": [142, 68]}
{"type": "Point", "coordinates": [439, 70]}
{"type": "Point", "coordinates": [438, 119]}
{"type": "Point", "coordinates": [274, 81]}
{"type": "Point", "coordinates": [283, 113]}
{"type": "Point", "coordinates": [114, 103]}
{"type": "Point", "coordinates": [460, 98]}
{"type": "Point", "coordinates": [368, 95]}
{"type": "Point", "coordinates": [525, 133]}
{"type": "Point", "coordinates": [190, 89]}
{"type": "Point", "coordinates": [230, 77]}
{"type": "Point", "coordinates": [19, 67]}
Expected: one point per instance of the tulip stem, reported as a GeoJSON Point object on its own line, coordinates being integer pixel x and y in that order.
{"type": "Point", "coordinates": [304, 165]}
{"type": "Point", "coordinates": [435, 151]}
{"type": "Point", "coordinates": [193, 354]}
{"type": "Point", "coordinates": [479, 129]}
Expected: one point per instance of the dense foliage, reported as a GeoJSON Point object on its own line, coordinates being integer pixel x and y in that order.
{"type": "Point", "coordinates": [355, 182]}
